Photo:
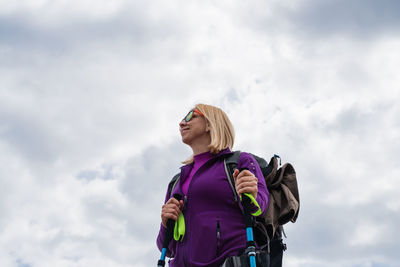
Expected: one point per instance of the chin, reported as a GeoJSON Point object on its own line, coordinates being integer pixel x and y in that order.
{"type": "Point", "coordinates": [185, 141]}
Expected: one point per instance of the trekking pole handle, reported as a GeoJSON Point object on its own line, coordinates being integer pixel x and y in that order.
{"type": "Point", "coordinates": [168, 236]}
{"type": "Point", "coordinates": [250, 245]}
{"type": "Point", "coordinates": [170, 226]}
{"type": "Point", "coordinates": [246, 206]}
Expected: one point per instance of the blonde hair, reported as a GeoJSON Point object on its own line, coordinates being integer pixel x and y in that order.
{"type": "Point", "coordinates": [221, 129]}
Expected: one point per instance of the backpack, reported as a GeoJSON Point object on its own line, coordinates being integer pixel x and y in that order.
{"type": "Point", "coordinates": [284, 203]}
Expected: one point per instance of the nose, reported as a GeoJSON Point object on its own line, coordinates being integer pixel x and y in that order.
{"type": "Point", "coordinates": [182, 123]}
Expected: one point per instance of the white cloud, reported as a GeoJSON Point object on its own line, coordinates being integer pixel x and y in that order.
{"type": "Point", "coordinates": [92, 94]}
{"type": "Point", "coordinates": [368, 234]}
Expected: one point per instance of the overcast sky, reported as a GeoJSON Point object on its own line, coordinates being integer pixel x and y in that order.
{"type": "Point", "coordinates": [91, 94]}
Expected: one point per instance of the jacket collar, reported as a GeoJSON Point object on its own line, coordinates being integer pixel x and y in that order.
{"type": "Point", "coordinates": [223, 153]}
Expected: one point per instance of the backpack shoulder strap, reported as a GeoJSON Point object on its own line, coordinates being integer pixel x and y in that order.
{"type": "Point", "coordinates": [233, 159]}
{"type": "Point", "coordinates": [174, 181]}
{"type": "Point", "coordinates": [230, 163]}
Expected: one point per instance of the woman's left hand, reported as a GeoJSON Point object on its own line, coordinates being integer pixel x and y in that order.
{"type": "Point", "coordinates": [245, 182]}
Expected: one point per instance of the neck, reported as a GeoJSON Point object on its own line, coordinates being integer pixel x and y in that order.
{"type": "Point", "coordinates": [201, 146]}
{"type": "Point", "coordinates": [199, 150]}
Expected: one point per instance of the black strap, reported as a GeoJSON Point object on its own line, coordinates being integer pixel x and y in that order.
{"type": "Point", "coordinates": [174, 181]}
{"type": "Point", "coordinates": [231, 163]}
{"type": "Point", "coordinates": [233, 159]}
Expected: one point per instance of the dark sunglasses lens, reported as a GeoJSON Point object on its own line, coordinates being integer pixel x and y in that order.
{"type": "Point", "coordinates": [189, 116]}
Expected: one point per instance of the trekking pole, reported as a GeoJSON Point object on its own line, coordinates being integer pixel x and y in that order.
{"type": "Point", "coordinates": [250, 244]}
{"type": "Point", "coordinates": [168, 236]}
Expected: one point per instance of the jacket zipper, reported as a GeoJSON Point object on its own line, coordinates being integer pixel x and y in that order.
{"type": "Point", "coordinates": [185, 248]}
{"type": "Point", "coordinates": [218, 237]}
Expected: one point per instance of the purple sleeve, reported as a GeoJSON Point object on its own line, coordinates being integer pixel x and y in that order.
{"type": "Point", "coordinates": [246, 160]}
{"type": "Point", "coordinates": [161, 235]}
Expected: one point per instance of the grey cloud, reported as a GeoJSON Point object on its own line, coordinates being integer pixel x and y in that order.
{"type": "Point", "coordinates": [88, 175]}
{"type": "Point", "coordinates": [152, 170]}
{"type": "Point", "coordinates": [374, 127]}
{"type": "Point", "coordinates": [357, 120]}
{"type": "Point", "coordinates": [24, 30]}
{"type": "Point", "coordinates": [232, 96]}
{"type": "Point", "coordinates": [325, 229]}
{"type": "Point", "coordinates": [364, 121]}
{"type": "Point", "coordinates": [354, 18]}
{"type": "Point", "coordinates": [27, 136]}
{"type": "Point", "coordinates": [105, 173]}
{"type": "Point", "coordinates": [145, 182]}
{"type": "Point", "coordinates": [20, 263]}
{"type": "Point", "coordinates": [146, 178]}
{"type": "Point", "coordinates": [321, 19]}
{"type": "Point", "coordinates": [325, 232]}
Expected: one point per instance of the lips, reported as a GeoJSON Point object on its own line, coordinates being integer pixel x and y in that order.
{"type": "Point", "coordinates": [184, 129]}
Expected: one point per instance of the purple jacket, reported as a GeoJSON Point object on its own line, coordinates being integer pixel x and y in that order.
{"type": "Point", "coordinates": [214, 221]}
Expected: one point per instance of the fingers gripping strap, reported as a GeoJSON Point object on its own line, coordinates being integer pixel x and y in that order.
{"type": "Point", "coordinates": [254, 201]}
{"type": "Point", "coordinates": [179, 229]}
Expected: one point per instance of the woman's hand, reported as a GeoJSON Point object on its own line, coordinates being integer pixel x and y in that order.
{"type": "Point", "coordinates": [170, 210]}
{"type": "Point", "coordinates": [245, 182]}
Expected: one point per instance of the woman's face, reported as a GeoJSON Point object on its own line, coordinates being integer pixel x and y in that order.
{"type": "Point", "coordinates": [193, 128]}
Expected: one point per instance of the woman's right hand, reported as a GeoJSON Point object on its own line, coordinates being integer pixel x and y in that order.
{"type": "Point", "coordinates": [170, 210]}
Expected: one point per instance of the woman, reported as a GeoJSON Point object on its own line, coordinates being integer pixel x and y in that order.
{"type": "Point", "coordinates": [214, 221]}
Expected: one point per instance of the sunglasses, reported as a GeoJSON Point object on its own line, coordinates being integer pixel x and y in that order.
{"type": "Point", "coordinates": [189, 116]}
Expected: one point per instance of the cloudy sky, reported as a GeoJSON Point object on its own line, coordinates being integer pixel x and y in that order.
{"type": "Point", "coordinates": [91, 93]}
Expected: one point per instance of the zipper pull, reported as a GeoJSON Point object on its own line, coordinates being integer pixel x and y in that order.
{"type": "Point", "coordinates": [218, 237]}
{"type": "Point", "coordinates": [184, 202]}
{"type": "Point", "coordinates": [218, 230]}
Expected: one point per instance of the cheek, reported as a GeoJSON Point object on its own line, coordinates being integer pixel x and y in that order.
{"type": "Point", "coordinates": [204, 126]}
{"type": "Point", "coordinates": [202, 129]}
